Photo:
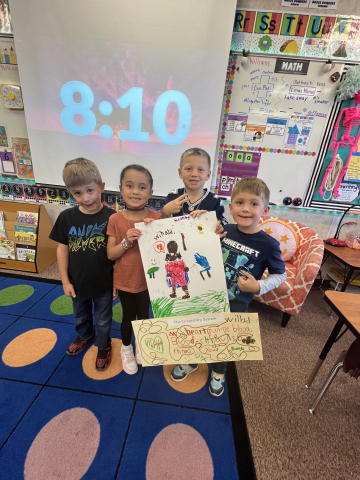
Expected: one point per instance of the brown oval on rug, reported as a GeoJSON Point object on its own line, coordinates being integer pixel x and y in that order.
{"type": "Point", "coordinates": [65, 447]}
{"type": "Point", "coordinates": [170, 455]}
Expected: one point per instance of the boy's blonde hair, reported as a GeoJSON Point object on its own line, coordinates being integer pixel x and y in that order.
{"type": "Point", "coordinates": [81, 171]}
{"type": "Point", "coordinates": [196, 152]}
{"type": "Point", "coordinates": [252, 185]}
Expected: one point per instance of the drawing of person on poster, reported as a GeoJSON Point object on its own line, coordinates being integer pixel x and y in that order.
{"type": "Point", "coordinates": [176, 270]}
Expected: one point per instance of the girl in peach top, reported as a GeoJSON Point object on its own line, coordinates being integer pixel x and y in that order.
{"type": "Point", "coordinates": [129, 278]}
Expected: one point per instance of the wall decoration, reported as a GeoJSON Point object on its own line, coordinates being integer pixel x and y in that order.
{"type": "Point", "coordinates": [347, 193]}
{"type": "Point", "coordinates": [5, 18]}
{"type": "Point", "coordinates": [298, 132]}
{"type": "Point", "coordinates": [317, 36]}
{"type": "Point", "coordinates": [22, 157]}
{"type": "Point", "coordinates": [237, 122]}
{"type": "Point", "coordinates": [266, 29]}
{"type": "Point", "coordinates": [4, 141]}
{"type": "Point", "coordinates": [185, 248]}
{"type": "Point", "coordinates": [223, 337]}
{"type": "Point", "coordinates": [7, 163]}
{"type": "Point", "coordinates": [237, 165]}
{"type": "Point", "coordinates": [7, 51]}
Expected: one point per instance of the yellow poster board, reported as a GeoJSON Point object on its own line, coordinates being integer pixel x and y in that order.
{"type": "Point", "coordinates": [353, 171]}
{"type": "Point", "coordinates": [209, 338]}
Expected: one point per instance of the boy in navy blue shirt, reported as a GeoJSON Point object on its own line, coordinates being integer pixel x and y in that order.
{"type": "Point", "coordinates": [247, 253]}
{"type": "Point", "coordinates": [194, 171]}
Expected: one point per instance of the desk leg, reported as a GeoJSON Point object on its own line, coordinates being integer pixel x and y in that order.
{"type": "Point", "coordinates": [347, 280]}
{"type": "Point", "coordinates": [325, 351]}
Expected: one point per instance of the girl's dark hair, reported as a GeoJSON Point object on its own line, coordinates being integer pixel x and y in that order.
{"type": "Point", "coordinates": [139, 168]}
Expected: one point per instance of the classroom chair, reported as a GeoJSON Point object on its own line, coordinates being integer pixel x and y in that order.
{"type": "Point", "coordinates": [301, 269]}
{"type": "Point", "coordinates": [349, 361]}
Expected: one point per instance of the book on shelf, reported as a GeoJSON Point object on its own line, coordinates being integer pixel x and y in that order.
{"type": "Point", "coordinates": [28, 218]}
{"type": "Point", "coordinates": [20, 228]}
{"type": "Point", "coordinates": [25, 253]}
{"type": "Point", "coordinates": [7, 249]}
{"type": "Point", "coordinates": [25, 238]}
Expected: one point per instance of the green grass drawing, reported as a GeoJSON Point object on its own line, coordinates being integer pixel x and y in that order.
{"type": "Point", "coordinates": [211, 302]}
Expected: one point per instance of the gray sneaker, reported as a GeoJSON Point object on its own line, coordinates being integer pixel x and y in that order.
{"type": "Point", "coordinates": [216, 386]}
{"type": "Point", "coordinates": [180, 372]}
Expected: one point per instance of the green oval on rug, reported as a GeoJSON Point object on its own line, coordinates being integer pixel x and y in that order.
{"type": "Point", "coordinates": [118, 313]}
{"type": "Point", "coordinates": [62, 305]}
{"type": "Point", "coordinates": [15, 294]}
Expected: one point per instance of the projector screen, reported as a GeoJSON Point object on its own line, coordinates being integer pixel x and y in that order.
{"type": "Point", "coordinates": [121, 81]}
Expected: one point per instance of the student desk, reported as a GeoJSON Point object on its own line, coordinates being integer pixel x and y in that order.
{"type": "Point", "coordinates": [348, 256]}
{"type": "Point", "coordinates": [347, 307]}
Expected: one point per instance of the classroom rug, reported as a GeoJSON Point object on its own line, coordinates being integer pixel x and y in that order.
{"type": "Point", "coordinates": [60, 418]}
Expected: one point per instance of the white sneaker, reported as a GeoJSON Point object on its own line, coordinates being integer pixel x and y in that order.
{"type": "Point", "coordinates": [128, 360]}
{"type": "Point", "coordinates": [137, 355]}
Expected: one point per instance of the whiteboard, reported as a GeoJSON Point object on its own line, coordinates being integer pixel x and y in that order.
{"type": "Point", "coordinates": [273, 124]}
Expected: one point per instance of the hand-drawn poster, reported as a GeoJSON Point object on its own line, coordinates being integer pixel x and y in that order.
{"type": "Point", "coordinates": [298, 132]}
{"type": "Point", "coordinates": [223, 337]}
{"type": "Point", "coordinates": [183, 266]}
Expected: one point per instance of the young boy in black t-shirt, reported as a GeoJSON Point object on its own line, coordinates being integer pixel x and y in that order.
{"type": "Point", "coordinates": [86, 272]}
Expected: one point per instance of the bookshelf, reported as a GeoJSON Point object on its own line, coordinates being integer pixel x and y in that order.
{"type": "Point", "coordinates": [45, 249]}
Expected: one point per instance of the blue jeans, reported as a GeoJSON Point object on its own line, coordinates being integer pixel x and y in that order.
{"type": "Point", "coordinates": [83, 313]}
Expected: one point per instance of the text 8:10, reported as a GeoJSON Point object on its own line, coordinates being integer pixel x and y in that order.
{"type": "Point", "coordinates": [133, 99]}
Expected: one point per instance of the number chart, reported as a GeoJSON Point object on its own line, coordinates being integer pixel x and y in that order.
{"type": "Point", "coordinates": [237, 165]}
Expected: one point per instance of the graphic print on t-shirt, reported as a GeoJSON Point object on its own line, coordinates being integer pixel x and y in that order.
{"type": "Point", "coordinates": [237, 258]}
{"type": "Point", "coordinates": [91, 236]}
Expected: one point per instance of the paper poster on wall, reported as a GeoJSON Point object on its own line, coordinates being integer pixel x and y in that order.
{"type": "Point", "coordinates": [4, 141]}
{"type": "Point", "coordinates": [242, 31]}
{"type": "Point", "coordinates": [318, 35]}
{"type": "Point", "coordinates": [5, 18]}
{"type": "Point", "coordinates": [266, 29]}
{"type": "Point", "coordinates": [7, 51]}
{"type": "Point", "coordinates": [183, 266]}
{"type": "Point", "coordinates": [295, 3]}
{"type": "Point", "coordinates": [275, 126]}
{"type": "Point", "coordinates": [223, 337]}
{"type": "Point", "coordinates": [235, 166]}
{"type": "Point", "coordinates": [237, 122]}
{"type": "Point", "coordinates": [292, 33]}
{"type": "Point", "coordinates": [7, 162]}
{"type": "Point", "coordinates": [353, 171]}
{"type": "Point", "coordinates": [343, 39]}
{"type": "Point", "coordinates": [254, 133]}
{"type": "Point", "coordinates": [298, 132]}
{"type": "Point", "coordinates": [348, 192]}
{"type": "Point", "coordinates": [325, 4]}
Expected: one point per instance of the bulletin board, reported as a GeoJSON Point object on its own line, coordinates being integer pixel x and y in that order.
{"type": "Point", "coordinates": [275, 115]}
{"type": "Point", "coordinates": [349, 190]}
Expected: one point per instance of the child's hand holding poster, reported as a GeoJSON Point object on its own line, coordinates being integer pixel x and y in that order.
{"type": "Point", "coordinates": [222, 337]}
{"type": "Point", "coordinates": [183, 266]}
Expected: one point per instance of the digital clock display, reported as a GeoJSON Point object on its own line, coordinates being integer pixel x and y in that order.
{"type": "Point", "coordinates": [132, 99]}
